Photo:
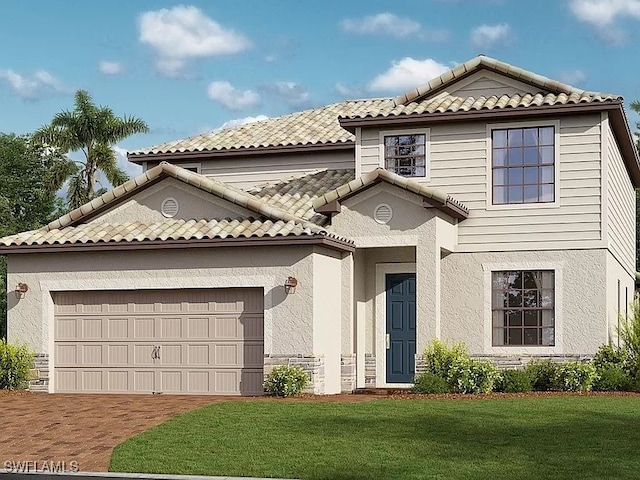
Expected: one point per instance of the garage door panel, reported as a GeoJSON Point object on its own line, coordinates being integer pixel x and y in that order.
{"type": "Point", "coordinates": [209, 341]}
{"type": "Point", "coordinates": [118, 328]}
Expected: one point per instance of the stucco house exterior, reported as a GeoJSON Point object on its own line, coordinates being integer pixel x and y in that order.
{"type": "Point", "coordinates": [490, 205]}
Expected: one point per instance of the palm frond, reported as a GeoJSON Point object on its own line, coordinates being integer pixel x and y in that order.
{"type": "Point", "coordinates": [59, 172]}
{"type": "Point", "coordinates": [77, 192]}
{"type": "Point", "coordinates": [105, 161]}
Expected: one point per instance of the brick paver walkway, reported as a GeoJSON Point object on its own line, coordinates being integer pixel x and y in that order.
{"type": "Point", "coordinates": [82, 428]}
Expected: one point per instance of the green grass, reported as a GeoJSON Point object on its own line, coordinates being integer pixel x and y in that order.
{"type": "Point", "coordinates": [589, 437]}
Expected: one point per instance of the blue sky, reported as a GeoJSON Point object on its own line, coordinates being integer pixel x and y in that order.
{"type": "Point", "coordinates": [190, 67]}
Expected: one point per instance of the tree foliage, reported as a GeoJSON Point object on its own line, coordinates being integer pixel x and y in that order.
{"type": "Point", "coordinates": [26, 201]}
{"type": "Point", "coordinates": [635, 106]}
{"type": "Point", "coordinates": [92, 130]}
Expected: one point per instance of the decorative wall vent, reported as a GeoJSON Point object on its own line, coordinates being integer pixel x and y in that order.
{"type": "Point", "coordinates": [383, 213]}
{"type": "Point", "coordinates": [169, 207]}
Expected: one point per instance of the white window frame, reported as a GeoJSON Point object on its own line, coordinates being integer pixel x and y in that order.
{"type": "Point", "coordinates": [197, 166]}
{"type": "Point", "coordinates": [556, 163]}
{"type": "Point", "coordinates": [408, 131]}
{"type": "Point", "coordinates": [558, 348]}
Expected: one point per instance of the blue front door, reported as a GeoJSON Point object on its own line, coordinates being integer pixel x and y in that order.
{"type": "Point", "coordinates": [401, 327]}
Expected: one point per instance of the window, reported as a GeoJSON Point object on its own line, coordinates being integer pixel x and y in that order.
{"type": "Point", "coordinates": [523, 308]}
{"type": "Point", "coordinates": [523, 165]}
{"type": "Point", "coordinates": [406, 154]}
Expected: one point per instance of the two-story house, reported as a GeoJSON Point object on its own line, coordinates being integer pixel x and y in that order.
{"type": "Point", "coordinates": [490, 205]}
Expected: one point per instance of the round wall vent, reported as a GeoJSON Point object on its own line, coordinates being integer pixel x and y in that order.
{"type": "Point", "coordinates": [383, 213]}
{"type": "Point", "coordinates": [169, 207]}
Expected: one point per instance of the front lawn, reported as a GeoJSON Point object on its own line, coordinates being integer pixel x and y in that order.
{"type": "Point", "coordinates": [588, 437]}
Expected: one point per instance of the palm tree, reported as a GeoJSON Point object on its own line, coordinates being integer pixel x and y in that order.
{"type": "Point", "coordinates": [635, 106]}
{"type": "Point", "coordinates": [93, 130]}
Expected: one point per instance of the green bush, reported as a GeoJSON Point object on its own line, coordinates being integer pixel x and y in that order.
{"type": "Point", "coordinates": [439, 357]}
{"type": "Point", "coordinates": [462, 374]}
{"type": "Point", "coordinates": [629, 333]}
{"type": "Point", "coordinates": [513, 381]}
{"type": "Point", "coordinates": [15, 362]}
{"type": "Point", "coordinates": [612, 378]}
{"type": "Point", "coordinates": [472, 376]}
{"type": "Point", "coordinates": [543, 374]}
{"type": "Point", "coordinates": [575, 376]}
{"type": "Point", "coordinates": [609, 356]}
{"type": "Point", "coordinates": [428, 382]}
{"type": "Point", "coordinates": [285, 381]}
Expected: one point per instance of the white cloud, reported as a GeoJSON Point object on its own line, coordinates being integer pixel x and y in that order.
{"type": "Point", "coordinates": [347, 91]}
{"type": "Point", "coordinates": [230, 97]}
{"type": "Point", "coordinates": [486, 36]}
{"type": "Point", "coordinates": [381, 24]}
{"type": "Point", "coordinates": [130, 168]}
{"type": "Point", "coordinates": [32, 88]}
{"type": "Point", "coordinates": [391, 25]}
{"type": "Point", "coordinates": [110, 68]}
{"type": "Point", "coordinates": [294, 94]}
{"type": "Point", "coordinates": [236, 122]}
{"type": "Point", "coordinates": [184, 33]}
{"type": "Point", "coordinates": [407, 73]}
{"type": "Point", "coordinates": [603, 15]}
{"type": "Point", "coordinates": [573, 77]}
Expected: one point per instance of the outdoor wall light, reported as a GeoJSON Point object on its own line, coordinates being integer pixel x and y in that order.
{"type": "Point", "coordinates": [290, 285]}
{"type": "Point", "coordinates": [21, 289]}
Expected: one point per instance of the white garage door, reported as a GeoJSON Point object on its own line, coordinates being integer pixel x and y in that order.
{"type": "Point", "coordinates": [175, 341]}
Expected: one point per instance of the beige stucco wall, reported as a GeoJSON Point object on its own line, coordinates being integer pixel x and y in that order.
{"type": "Point", "coordinates": [193, 204]}
{"type": "Point", "coordinates": [288, 318]}
{"type": "Point", "coordinates": [617, 299]}
{"type": "Point", "coordinates": [581, 299]}
{"type": "Point", "coordinates": [327, 314]}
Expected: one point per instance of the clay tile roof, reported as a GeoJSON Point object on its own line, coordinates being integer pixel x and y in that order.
{"type": "Point", "coordinates": [431, 195]}
{"type": "Point", "coordinates": [308, 127]}
{"type": "Point", "coordinates": [170, 229]}
{"type": "Point", "coordinates": [445, 103]}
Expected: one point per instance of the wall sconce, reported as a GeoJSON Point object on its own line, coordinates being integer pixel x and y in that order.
{"type": "Point", "coordinates": [290, 285]}
{"type": "Point", "coordinates": [21, 289]}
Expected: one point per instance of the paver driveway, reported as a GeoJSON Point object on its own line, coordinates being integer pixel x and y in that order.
{"type": "Point", "coordinates": [44, 427]}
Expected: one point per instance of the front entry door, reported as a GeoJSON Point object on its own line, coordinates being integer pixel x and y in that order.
{"type": "Point", "coordinates": [401, 327]}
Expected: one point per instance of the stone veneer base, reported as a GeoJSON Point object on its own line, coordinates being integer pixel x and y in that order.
{"type": "Point", "coordinates": [314, 366]}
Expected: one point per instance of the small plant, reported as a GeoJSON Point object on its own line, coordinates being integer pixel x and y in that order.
{"type": "Point", "coordinates": [285, 381]}
{"type": "Point", "coordinates": [612, 378]}
{"type": "Point", "coordinates": [439, 358]}
{"type": "Point", "coordinates": [575, 376]}
{"type": "Point", "coordinates": [428, 382]}
{"type": "Point", "coordinates": [472, 376]}
{"type": "Point", "coordinates": [609, 356]}
{"type": "Point", "coordinates": [629, 333]}
{"type": "Point", "coordinates": [543, 375]}
{"type": "Point", "coordinates": [513, 381]}
{"type": "Point", "coordinates": [15, 362]}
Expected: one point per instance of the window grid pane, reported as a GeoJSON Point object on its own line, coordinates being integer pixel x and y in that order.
{"type": "Point", "coordinates": [523, 165]}
{"type": "Point", "coordinates": [522, 304]}
{"type": "Point", "coordinates": [406, 155]}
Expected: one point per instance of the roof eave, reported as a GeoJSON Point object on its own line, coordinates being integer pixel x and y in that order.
{"type": "Point", "coordinates": [246, 151]}
{"type": "Point", "coordinates": [316, 239]}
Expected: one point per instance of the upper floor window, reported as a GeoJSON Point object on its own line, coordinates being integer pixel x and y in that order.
{"type": "Point", "coordinates": [406, 154]}
{"type": "Point", "coordinates": [523, 165]}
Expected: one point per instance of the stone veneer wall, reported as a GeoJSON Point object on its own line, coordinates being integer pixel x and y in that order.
{"type": "Point", "coordinates": [41, 366]}
{"type": "Point", "coordinates": [314, 366]}
{"type": "Point", "coordinates": [369, 370]}
{"type": "Point", "coordinates": [348, 373]}
{"type": "Point", "coordinates": [513, 362]}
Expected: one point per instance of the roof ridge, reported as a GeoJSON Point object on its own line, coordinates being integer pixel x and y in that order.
{"type": "Point", "coordinates": [484, 62]}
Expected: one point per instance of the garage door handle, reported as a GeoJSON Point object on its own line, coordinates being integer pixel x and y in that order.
{"type": "Point", "coordinates": [155, 352]}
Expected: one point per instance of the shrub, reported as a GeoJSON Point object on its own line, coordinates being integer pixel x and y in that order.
{"type": "Point", "coordinates": [629, 333]}
{"type": "Point", "coordinates": [439, 357]}
{"type": "Point", "coordinates": [609, 356]}
{"type": "Point", "coordinates": [15, 362]}
{"type": "Point", "coordinates": [472, 376]}
{"type": "Point", "coordinates": [513, 381]}
{"type": "Point", "coordinates": [575, 376]}
{"type": "Point", "coordinates": [285, 380]}
{"type": "Point", "coordinates": [428, 382]}
{"type": "Point", "coordinates": [543, 375]}
{"type": "Point", "coordinates": [612, 378]}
